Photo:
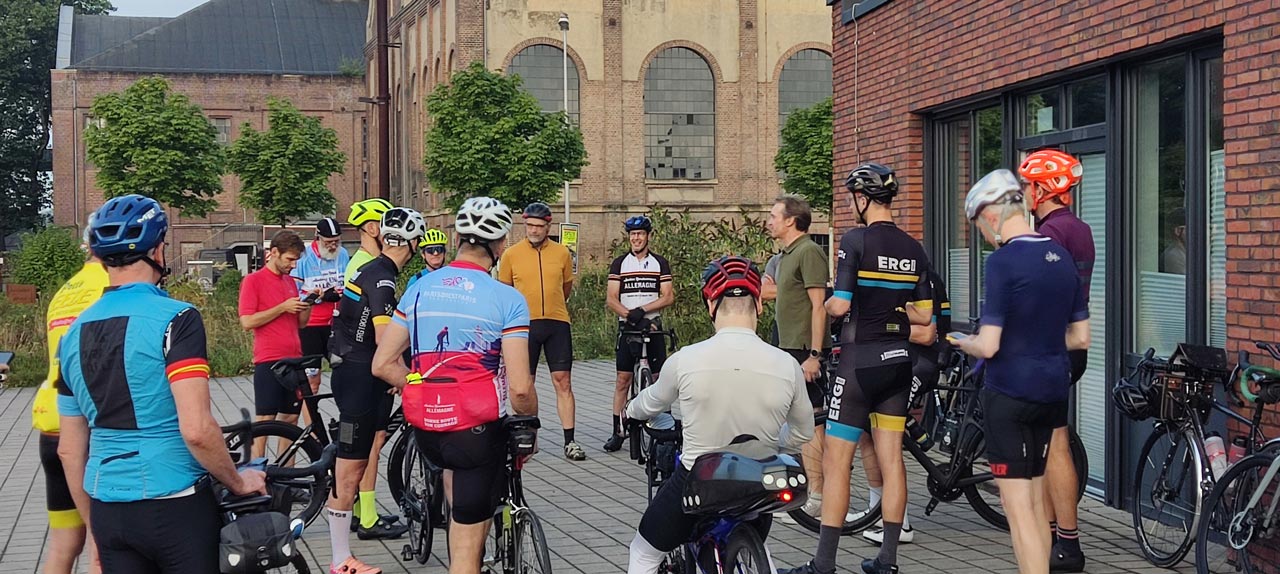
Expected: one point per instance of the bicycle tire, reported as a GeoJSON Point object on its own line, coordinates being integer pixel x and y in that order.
{"type": "Point", "coordinates": [416, 507]}
{"type": "Point", "coordinates": [1231, 493]}
{"type": "Point", "coordinates": [1164, 464]}
{"type": "Point", "coordinates": [862, 521]}
{"type": "Point", "coordinates": [528, 531]}
{"type": "Point", "coordinates": [319, 490]}
{"type": "Point", "coordinates": [744, 552]}
{"type": "Point", "coordinates": [678, 561]}
{"type": "Point", "coordinates": [642, 378]}
{"type": "Point", "coordinates": [995, 516]}
{"type": "Point", "coordinates": [395, 466]}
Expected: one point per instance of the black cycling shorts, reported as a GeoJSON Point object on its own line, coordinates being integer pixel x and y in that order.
{"type": "Point", "coordinates": [627, 353]}
{"type": "Point", "coordinates": [315, 340]}
{"type": "Point", "coordinates": [857, 393]}
{"type": "Point", "coordinates": [57, 493]}
{"type": "Point", "coordinates": [555, 338]}
{"type": "Point", "coordinates": [1079, 362]}
{"type": "Point", "coordinates": [364, 408]}
{"type": "Point", "coordinates": [1018, 432]}
{"type": "Point", "coordinates": [817, 389]}
{"type": "Point", "coordinates": [154, 536]}
{"type": "Point", "coordinates": [478, 458]}
{"type": "Point", "coordinates": [270, 398]}
{"type": "Point", "coordinates": [665, 526]}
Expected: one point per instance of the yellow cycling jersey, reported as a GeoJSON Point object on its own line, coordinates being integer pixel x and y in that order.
{"type": "Point", "coordinates": [73, 298]}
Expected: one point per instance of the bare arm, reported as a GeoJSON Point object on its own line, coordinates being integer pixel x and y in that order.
{"type": "Point", "coordinates": [666, 297]}
{"type": "Point", "coordinates": [304, 316]}
{"type": "Point", "coordinates": [203, 435]}
{"type": "Point", "coordinates": [251, 322]}
{"type": "Point", "coordinates": [768, 289]}
{"type": "Point", "coordinates": [515, 356]}
{"type": "Point", "coordinates": [568, 289]}
{"type": "Point", "coordinates": [613, 298]}
{"type": "Point", "coordinates": [387, 365]}
{"type": "Point", "coordinates": [73, 451]}
{"type": "Point", "coordinates": [659, 396]}
{"type": "Point", "coordinates": [837, 307]}
{"type": "Point", "coordinates": [919, 315]}
{"type": "Point", "coordinates": [924, 334]}
{"type": "Point", "coordinates": [818, 318]}
{"type": "Point", "coordinates": [984, 345]}
{"type": "Point", "coordinates": [799, 417]}
{"type": "Point", "coordinates": [1078, 336]}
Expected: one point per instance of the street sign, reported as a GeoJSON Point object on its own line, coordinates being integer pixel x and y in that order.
{"type": "Point", "coordinates": [569, 238]}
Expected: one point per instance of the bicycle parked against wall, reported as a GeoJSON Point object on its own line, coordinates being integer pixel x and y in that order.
{"type": "Point", "coordinates": [1240, 530]}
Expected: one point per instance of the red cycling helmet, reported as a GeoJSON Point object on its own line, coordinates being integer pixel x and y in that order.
{"type": "Point", "coordinates": [1054, 174]}
{"type": "Point", "coordinates": [732, 276]}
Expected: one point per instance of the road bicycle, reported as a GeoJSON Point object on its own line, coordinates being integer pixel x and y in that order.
{"type": "Point", "coordinates": [640, 442]}
{"type": "Point", "coordinates": [1240, 531]}
{"type": "Point", "coordinates": [518, 544]}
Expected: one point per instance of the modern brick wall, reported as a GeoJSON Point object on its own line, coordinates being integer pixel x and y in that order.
{"type": "Point", "coordinates": [913, 55]}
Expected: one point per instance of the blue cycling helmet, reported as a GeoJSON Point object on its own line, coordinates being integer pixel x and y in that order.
{"type": "Point", "coordinates": [129, 226]}
{"type": "Point", "coordinates": [638, 222]}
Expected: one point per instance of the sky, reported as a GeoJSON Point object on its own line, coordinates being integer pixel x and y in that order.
{"type": "Point", "coordinates": [166, 8]}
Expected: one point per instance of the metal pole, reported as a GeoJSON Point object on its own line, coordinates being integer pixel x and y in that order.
{"type": "Point", "coordinates": [564, 39]}
{"type": "Point", "coordinates": [383, 101]}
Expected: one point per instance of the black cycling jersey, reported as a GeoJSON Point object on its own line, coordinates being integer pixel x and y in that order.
{"type": "Point", "coordinates": [941, 320]}
{"type": "Point", "coordinates": [880, 269]}
{"type": "Point", "coordinates": [368, 300]}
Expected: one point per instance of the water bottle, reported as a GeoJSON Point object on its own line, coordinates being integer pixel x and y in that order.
{"type": "Point", "coordinates": [1237, 450]}
{"type": "Point", "coordinates": [918, 434]}
{"type": "Point", "coordinates": [1217, 454]}
{"type": "Point", "coordinates": [296, 528]}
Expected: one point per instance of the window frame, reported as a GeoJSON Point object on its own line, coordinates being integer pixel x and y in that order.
{"type": "Point", "coordinates": [714, 137]}
{"type": "Point", "coordinates": [575, 86]}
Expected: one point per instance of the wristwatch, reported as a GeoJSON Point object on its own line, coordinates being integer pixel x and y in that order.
{"type": "Point", "coordinates": [814, 354]}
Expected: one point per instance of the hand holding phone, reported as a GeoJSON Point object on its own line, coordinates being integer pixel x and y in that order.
{"type": "Point", "coordinates": [954, 336]}
{"type": "Point", "coordinates": [310, 298]}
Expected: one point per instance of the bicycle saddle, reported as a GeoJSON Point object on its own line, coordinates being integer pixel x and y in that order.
{"type": "Point", "coordinates": [517, 422]}
{"type": "Point", "coordinates": [291, 373]}
{"type": "Point", "coordinates": [746, 478]}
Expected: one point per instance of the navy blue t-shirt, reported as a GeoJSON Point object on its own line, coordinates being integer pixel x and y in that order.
{"type": "Point", "coordinates": [1033, 291]}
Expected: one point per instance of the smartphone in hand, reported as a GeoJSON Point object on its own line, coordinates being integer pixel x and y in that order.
{"type": "Point", "coordinates": [955, 336]}
{"type": "Point", "coordinates": [310, 298]}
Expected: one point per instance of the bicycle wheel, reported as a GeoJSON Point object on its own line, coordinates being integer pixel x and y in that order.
{"type": "Point", "coordinates": [532, 555]}
{"type": "Point", "coordinates": [419, 493]}
{"type": "Point", "coordinates": [395, 466]}
{"type": "Point", "coordinates": [678, 561]}
{"type": "Point", "coordinates": [744, 552]}
{"type": "Point", "coordinates": [638, 441]}
{"type": "Point", "coordinates": [1233, 538]}
{"type": "Point", "coordinates": [1167, 495]}
{"type": "Point", "coordinates": [286, 446]}
{"type": "Point", "coordinates": [859, 516]}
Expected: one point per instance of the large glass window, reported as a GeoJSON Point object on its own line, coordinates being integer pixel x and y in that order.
{"type": "Point", "coordinates": [679, 117]}
{"type": "Point", "coordinates": [805, 81]}
{"type": "Point", "coordinates": [1217, 207]}
{"type": "Point", "coordinates": [1088, 102]}
{"type": "Point", "coordinates": [1159, 184]}
{"type": "Point", "coordinates": [541, 68]}
{"type": "Point", "coordinates": [1042, 112]}
{"type": "Point", "coordinates": [971, 146]}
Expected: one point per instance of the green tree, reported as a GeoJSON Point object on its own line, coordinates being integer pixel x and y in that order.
{"type": "Point", "coordinates": [48, 258]}
{"type": "Point", "coordinates": [285, 169]}
{"type": "Point", "coordinates": [490, 137]}
{"type": "Point", "coordinates": [28, 46]}
{"type": "Point", "coordinates": [805, 155]}
{"type": "Point", "coordinates": [152, 141]}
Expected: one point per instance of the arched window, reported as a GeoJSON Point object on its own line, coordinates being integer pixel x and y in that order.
{"type": "Point", "coordinates": [805, 80]}
{"type": "Point", "coordinates": [679, 117]}
{"type": "Point", "coordinates": [541, 68]}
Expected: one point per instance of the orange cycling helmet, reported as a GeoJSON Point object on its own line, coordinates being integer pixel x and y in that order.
{"type": "Point", "coordinates": [1054, 174]}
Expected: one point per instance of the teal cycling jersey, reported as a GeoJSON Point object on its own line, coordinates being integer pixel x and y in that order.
{"type": "Point", "coordinates": [119, 361]}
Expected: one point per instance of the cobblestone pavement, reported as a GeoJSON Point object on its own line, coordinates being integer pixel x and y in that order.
{"type": "Point", "coordinates": [589, 509]}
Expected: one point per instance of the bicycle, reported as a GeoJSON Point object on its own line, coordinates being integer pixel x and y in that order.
{"type": "Point", "coordinates": [728, 490]}
{"type": "Point", "coordinates": [956, 417]}
{"type": "Point", "coordinates": [273, 547]}
{"type": "Point", "coordinates": [642, 376]}
{"type": "Point", "coordinates": [519, 544]}
{"type": "Point", "coordinates": [1241, 530]}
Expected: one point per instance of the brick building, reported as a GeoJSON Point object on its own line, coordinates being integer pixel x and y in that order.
{"type": "Point", "coordinates": [1174, 108]}
{"type": "Point", "coordinates": [228, 57]}
{"type": "Point", "coordinates": [680, 102]}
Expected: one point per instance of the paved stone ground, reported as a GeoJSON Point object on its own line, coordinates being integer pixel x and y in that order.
{"type": "Point", "coordinates": [589, 509]}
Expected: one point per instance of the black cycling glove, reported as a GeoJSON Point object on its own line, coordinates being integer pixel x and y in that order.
{"type": "Point", "coordinates": [634, 316]}
{"type": "Point", "coordinates": [331, 296]}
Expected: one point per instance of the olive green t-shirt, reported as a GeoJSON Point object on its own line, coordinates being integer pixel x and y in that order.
{"type": "Point", "coordinates": [803, 266]}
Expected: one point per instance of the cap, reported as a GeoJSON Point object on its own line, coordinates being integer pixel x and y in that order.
{"type": "Point", "coordinates": [328, 227]}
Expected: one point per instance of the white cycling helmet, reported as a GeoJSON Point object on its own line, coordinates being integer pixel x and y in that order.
{"type": "Point", "coordinates": [997, 187]}
{"type": "Point", "coordinates": [402, 226]}
{"type": "Point", "coordinates": [483, 218]}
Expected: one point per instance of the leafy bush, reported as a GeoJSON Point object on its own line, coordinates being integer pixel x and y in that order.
{"type": "Point", "coordinates": [22, 332]}
{"type": "Point", "coordinates": [230, 348]}
{"type": "Point", "coordinates": [48, 259]}
{"type": "Point", "coordinates": [227, 290]}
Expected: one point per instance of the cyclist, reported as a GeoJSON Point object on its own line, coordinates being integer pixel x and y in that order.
{"type": "Point", "coordinates": [542, 270]}
{"type": "Point", "coordinates": [729, 385]}
{"type": "Point", "coordinates": [456, 401]}
{"type": "Point", "coordinates": [366, 216]}
{"type": "Point", "coordinates": [365, 402]}
{"type": "Point", "coordinates": [138, 435]}
{"type": "Point", "coordinates": [799, 287]}
{"type": "Point", "coordinates": [639, 287]}
{"type": "Point", "coordinates": [1033, 295]}
{"type": "Point", "coordinates": [321, 269]}
{"type": "Point", "coordinates": [880, 290]}
{"type": "Point", "coordinates": [433, 246]}
{"type": "Point", "coordinates": [67, 533]}
{"type": "Point", "coordinates": [1049, 176]}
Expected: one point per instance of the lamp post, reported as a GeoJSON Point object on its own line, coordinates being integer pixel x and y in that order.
{"type": "Point", "coordinates": [564, 52]}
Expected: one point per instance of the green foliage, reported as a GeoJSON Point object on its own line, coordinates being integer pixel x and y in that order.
{"type": "Point", "coordinates": [595, 328]}
{"type": "Point", "coordinates": [285, 170]}
{"type": "Point", "coordinates": [805, 155]}
{"type": "Point", "coordinates": [490, 137]}
{"type": "Point", "coordinates": [351, 67]}
{"type": "Point", "coordinates": [227, 290]}
{"type": "Point", "coordinates": [230, 348]}
{"type": "Point", "coordinates": [157, 143]}
{"type": "Point", "coordinates": [22, 332]}
{"type": "Point", "coordinates": [48, 259]}
{"type": "Point", "coordinates": [28, 45]}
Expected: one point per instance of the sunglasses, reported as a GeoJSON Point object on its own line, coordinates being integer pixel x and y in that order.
{"type": "Point", "coordinates": [434, 250]}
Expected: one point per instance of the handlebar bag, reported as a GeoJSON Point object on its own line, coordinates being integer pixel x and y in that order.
{"type": "Point", "coordinates": [255, 543]}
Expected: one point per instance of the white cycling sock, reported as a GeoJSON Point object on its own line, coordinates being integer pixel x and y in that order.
{"type": "Point", "coordinates": [340, 534]}
{"type": "Point", "coordinates": [644, 558]}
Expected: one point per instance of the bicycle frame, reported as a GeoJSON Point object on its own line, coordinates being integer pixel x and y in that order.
{"type": "Point", "coordinates": [969, 432]}
{"type": "Point", "coordinates": [717, 537]}
{"type": "Point", "coordinates": [1256, 498]}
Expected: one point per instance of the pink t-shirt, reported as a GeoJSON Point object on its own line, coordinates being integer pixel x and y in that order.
{"type": "Point", "coordinates": [262, 290]}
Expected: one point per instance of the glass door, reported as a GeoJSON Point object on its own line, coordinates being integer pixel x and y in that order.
{"type": "Point", "coordinates": [1091, 393]}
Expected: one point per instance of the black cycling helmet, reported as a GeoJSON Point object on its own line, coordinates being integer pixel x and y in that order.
{"type": "Point", "coordinates": [873, 180]}
{"type": "Point", "coordinates": [538, 210]}
{"type": "Point", "coordinates": [638, 222]}
{"type": "Point", "coordinates": [1132, 400]}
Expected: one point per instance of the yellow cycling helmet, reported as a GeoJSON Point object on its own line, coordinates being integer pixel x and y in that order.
{"type": "Point", "coordinates": [363, 212]}
{"type": "Point", "coordinates": [433, 237]}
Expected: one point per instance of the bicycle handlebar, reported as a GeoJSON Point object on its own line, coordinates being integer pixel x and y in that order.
{"type": "Point", "coordinates": [317, 468]}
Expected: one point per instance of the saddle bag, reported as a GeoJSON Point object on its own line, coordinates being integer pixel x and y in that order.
{"type": "Point", "coordinates": [255, 543]}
